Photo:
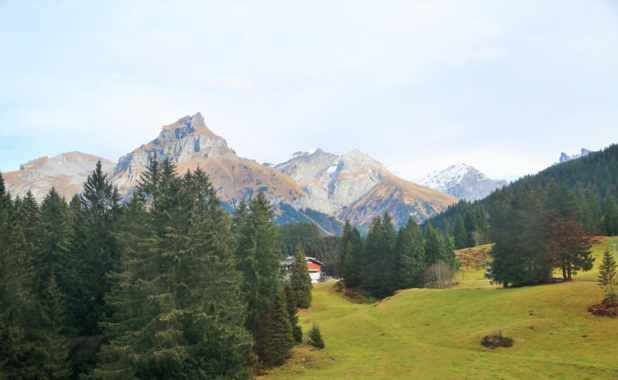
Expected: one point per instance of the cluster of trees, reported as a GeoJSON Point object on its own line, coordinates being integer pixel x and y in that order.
{"type": "Point", "coordinates": [166, 286]}
{"type": "Point", "coordinates": [386, 260]}
{"type": "Point", "coordinates": [536, 231]}
{"type": "Point", "coordinates": [591, 179]}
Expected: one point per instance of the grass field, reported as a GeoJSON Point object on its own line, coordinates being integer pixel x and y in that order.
{"type": "Point", "coordinates": [436, 334]}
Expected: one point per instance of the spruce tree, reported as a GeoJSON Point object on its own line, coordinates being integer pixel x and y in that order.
{"type": "Point", "coordinates": [53, 256]}
{"type": "Point", "coordinates": [26, 335]}
{"type": "Point", "coordinates": [568, 246]}
{"type": "Point", "coordinates": [607, 275]}
{"type": "Point", "coordinates": [292, 308]}
{"type": "Point", "coordinates": [460, 233]}
{"type": "Point", "coordinates": [411, 253]}
{"type": "Point", "coordinates": [301, 281]}
{"type": "Point", "coordinates": [610, 217]}
{"type": "Point", "coordinates": [518, 255]}
{"type": "Point", "coordinates": [258, 257]}
{"type": "Point", "coordinates": [94, 252]}
{"type": "Point", "coordinates": [433, 246]}
{"type": "Point", "coordinates": [274, 334]}
{"type": "Point", "coordinates": [343, 248]}
{"type": "Point", "coordinates": [355, 259]}
{"type": "Point", "coordinates": [315, 337]}
{"type": "Point", "coordinates": [178, 308]}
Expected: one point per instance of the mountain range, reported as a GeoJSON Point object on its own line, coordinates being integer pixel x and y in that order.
{"type": "Point", "coordinates": [313, 186]}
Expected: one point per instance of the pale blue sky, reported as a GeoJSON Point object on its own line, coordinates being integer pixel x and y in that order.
{"type": "Point", "coordinates": [503, 86]}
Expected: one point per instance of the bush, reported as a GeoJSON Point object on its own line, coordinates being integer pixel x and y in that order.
{"type": "Point", "coordinates": [315, 337]}
{"type": "Point", "coordinates": [439, 276]}
{"type": "Point", "coordinates": [607, 308]}
{"type": "Point", "coordinates": [497, 340]}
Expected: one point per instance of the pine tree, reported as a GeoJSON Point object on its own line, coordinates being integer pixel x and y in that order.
{"type": "Point", "coordinates": [607, 275]}
{"type": "Point", "coordinates": [94, 252]}
{"type": "Point", "coordinates": [57, 365]}
{"type": "Point", "coordinates": [519, 255]}
{"type": "Point", "coordinates": [301, 281]}
{"type": "Point", "coordinates": [355, 260]}
{"type": "Point", "coordinates": [411, 253]}
{"type": "Point", "coordinates": [610, 218]}
{"type": "Point", "coordinates": [258, 257]}
{"type": "Point", "coordinates": [461, 235]}
{"type": "Point", "coordinates": [53, 257]}
{"type": "Point", "coordinates": [315, 337]}
{"type": "Point", "coordinates": [292, 309]}
{"type": "Point", "coordinates": [343, 249]}
{"type": "Point", "coordinates": [26, 336]}
{"type": "Point", "coordinates": [434, 247]}
{"type": "Point", "coordinates": [178, 310]}
{"type": "Point", "coordinates": [568, 246]}
{"type": "Point", "coordinates": [274, 334]}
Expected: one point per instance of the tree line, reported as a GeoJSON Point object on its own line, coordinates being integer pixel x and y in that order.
{"type": "Point", "coordinates": [386, 260]}
{"type": "Point", "coordinates": [165, 286]}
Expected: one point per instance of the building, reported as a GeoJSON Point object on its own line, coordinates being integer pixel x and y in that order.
{"type": "Point", "coordinates": [314, 266]}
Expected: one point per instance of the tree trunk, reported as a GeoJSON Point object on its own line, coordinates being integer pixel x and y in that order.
{"type": "Point", "coordinates": [570, 277]}
{"type": "Point", "coordinates": [564, 274]}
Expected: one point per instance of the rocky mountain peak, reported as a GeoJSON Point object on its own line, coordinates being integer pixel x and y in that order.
{"type": "Point", "coordinates": [332, 181]}
{"type": "Point", "coordinates": [65, 172]}
{"type": "Point", "coordinates": [565, 157]}
{"type": "Point", "coordinates": [462, 181]}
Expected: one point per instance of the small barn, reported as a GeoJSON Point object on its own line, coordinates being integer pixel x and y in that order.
{"type": "Point", "coordinates": [313, 265]}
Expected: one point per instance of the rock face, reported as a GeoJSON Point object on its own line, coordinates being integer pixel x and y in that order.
{"type": "Point", "coordinates": [462, 181]}
{"type": "Point", "coordinates": [357, 187]}
{"type": "Point", "coordinates": [330, 181]}
{"type": "Point", "coordinates": [565, 157]}
{"type": "Point", "coordinates": [189, 144]}
{"type": "Point", "coordinates": [65, 172]}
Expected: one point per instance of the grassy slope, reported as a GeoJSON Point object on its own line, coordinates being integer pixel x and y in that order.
{"type": "Point", "coordinates": [433, 334]}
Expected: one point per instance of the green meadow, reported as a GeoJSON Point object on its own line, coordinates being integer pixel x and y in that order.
{"type": "Point", "coordinates": [436, 334]}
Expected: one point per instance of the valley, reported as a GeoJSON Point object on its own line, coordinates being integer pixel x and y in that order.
{"type": "Point", "coordinates": [436, 334]}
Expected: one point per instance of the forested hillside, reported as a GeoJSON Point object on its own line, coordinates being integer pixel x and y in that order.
{"type": "Point", "coordinates": [592, 179]}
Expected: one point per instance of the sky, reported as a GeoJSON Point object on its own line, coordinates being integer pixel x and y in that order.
{"type": "Point", "coordinates": [503, 86]}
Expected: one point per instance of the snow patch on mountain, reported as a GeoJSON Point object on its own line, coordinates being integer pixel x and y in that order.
{"type": "Point", "coordinates": [462, 181]}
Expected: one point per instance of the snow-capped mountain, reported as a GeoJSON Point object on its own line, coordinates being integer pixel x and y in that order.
{"type": "Point", "coordinates": [462, 181]}
{"type": "Point", "coordinates": [565, 157]}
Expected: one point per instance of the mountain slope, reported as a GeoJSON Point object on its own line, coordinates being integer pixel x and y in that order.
{"type": "Point", "coordinates": [65, 172]}
{"type": "Point", "coordinates": [400, 198]}
{"type": "Point", "coordinates": [330, 181]}
{"type": "Point", "coordinates": [189, 144]}
{"type": "Point", "coordinates": [462, 181]}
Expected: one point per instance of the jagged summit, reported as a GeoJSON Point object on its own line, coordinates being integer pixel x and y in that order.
{"type": "Point", "coordinates": [462, 181]}
{"type": "Point", "coordinates": [565, 157]}
{"type": "Point", "coordinates": [189, 143]}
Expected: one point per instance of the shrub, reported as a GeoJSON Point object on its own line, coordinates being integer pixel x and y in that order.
{"type": "Point", "coordinates": [439, 276]}
{"type": "Point", "coordinates": [607, 308]}
{"type": "Point", "coordinates": [497, 340]}
{"type": "Point", "coordinates": [315, 337]}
